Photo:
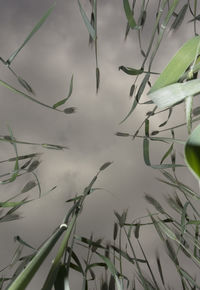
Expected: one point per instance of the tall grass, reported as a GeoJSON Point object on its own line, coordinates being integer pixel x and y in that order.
{"type": "Point", "coordinates": [178, 224]}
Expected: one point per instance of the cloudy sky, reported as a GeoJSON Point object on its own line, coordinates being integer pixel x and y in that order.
{"type": "Point", "coordinates": [58, 50]}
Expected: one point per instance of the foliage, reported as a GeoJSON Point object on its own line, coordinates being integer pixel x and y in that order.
{"type": "Point", "coordinates": [177, 84]}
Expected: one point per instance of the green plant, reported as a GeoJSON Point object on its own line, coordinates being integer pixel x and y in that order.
{"type": "Point", "coordinates": [177, 84]}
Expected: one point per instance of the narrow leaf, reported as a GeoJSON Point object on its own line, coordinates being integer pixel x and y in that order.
{"type": "Point", "coordinates": [35, 29]}
{"type": "Point", "coordinates": [90, 29]}
{"type": "Point", "coordinates": [68, 96]}
{"type": "Point", "coordinates": [129, 15]}
{"type": "Point", "coordinates": [131, 71]}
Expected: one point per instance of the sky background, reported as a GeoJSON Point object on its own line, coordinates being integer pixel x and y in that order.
{"type": "Point", "coordinates": [58, 50]}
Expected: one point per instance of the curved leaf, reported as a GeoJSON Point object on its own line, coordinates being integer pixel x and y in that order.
{"type": "Point", "coordinates": [192, 149]}
{"type": "Point", "coordinates": [178, 65]}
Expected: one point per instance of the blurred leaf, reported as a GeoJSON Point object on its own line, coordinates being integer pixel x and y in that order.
{"type": "Point", "coordinates": [54, 147]}
{"type": "Point", "coordinates": [129, 15]}
{"type": "Point", "coordinates": [137, 229]}
{"type": "Point", "coordinates": [112, 269]}
{"type": "Point", "coordinates": [105, 165]}
{"type": "Point", "coordinates": [179, 18]}
{"type": "Point", "coordinates": [192, 156]}
{"type": "Point", "coordinates": [183, 217]}
{"type": "Point", "coordinates": [188, 277]}
{"type": "Point", "coordinates": [196, 111]}
{"type": "Point", "coordinates": [160, 269]}
{"type": "Point", "coordinates": [61, 278]}
{"type": "Point", "coordinates": [23, 94]}
{"type": "Point", "coordinates": [146, 152]}
{"type": "Point", "coordinates": [90, 29]}
{"type": "Point", "coordinates": [25, 85]}
{"type": "Point", "coordinates": [132, 89]}
{"type": "Point", "coordinates": [111, 283]}
{"type": "Point", "coordinates": [28, 186]}
{"type": "Point", "coordinates": [35, 29]}
{"type": "Point", "coordinates": [121, 134]}
{"type": "Point", "coordinates": [17, 238]}
{"type": "Point", "coordinates": [33, 165]}
{"type": "Point", "coordinates": [169, 115]}
{"type": "Point", "coordinates": [97, 78]}
{"type": "Point", "coordinates": [175, 93]}
{"type": "Point", "coordinates": [171, 252]}
{"type": "Point", "coordinates": [178, 65]}
{"type": "Point", "coordinates": [68, 96]}
{"type": "Point", "coordinates": [155, 203]}
{"type": "Point", "coordinates": [115, 231]}
{"type": "Point", "coordinates": [167, 153]}
{"type": "Point", "coordinates": [131, 71]}
{"type": "Point", "coordinates": [70, 110]}
{"type": "Point", "coordinates": [138, 95]}
{"type": "Point", "coordinates": [195, 18]}
{"type": "Point", "coordinates": [12, 203]}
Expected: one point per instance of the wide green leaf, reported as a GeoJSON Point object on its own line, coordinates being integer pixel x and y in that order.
{"type": "Point", "coordinates": [178, 65]}
{"type": "Point", "coordinates": [175, 93]}
{"type": "Point", "coordinates": [192, 149]}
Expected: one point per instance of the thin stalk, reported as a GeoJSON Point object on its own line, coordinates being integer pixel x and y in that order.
{"type": "Point", "coordinates": [136, 262]}
{"type": "Point", "coordinates": [148, 265]}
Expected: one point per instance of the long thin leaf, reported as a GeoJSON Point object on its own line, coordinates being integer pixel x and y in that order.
{"type": "Point", "coordinates": [90, 29]}
{"type": "Point", "coordinates": [68, 96]}
{"type": "Point", "coordinates": [35, 29]}
{"type": "Point", "coordinates": [129, 15]}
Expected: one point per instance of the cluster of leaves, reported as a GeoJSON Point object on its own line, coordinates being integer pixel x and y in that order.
{"type": "Point", "coordinates": [177, 84]}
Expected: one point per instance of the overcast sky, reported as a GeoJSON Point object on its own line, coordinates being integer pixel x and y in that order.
{"type": "Point", "coordinates": [58, 50]}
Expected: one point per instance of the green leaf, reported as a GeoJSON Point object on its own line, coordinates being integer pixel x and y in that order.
{"type": "Point", "coordinates": [131, 71]}
{"type": "Point", "coordinates": [192, 149]}
{"type": "Point", "coordinates": [35, 29]}
{"type": "Point", "coordinates": [175, 93]}
{"type": "Point", "coordinates": [12, 203]}
{"type": "Point", "coordinates": [68, 96]}
{"type": "Point", "coordinates": [167, 153]}
{"type": "Point", "coordinates": [179, 19]}
{"type": "Point", "coordinates": [178, 65]}
{"type": "Point", "coordinates": [61, 278]}
{"type": "Point", "coordinates": [70, 110]}
{"type": "Point", "coordinates": [23, 279]}
{"type": "Point", "coordinates": [138, 95]}
{"type": "Point", "coordinates": [23, 94]}
{"type": "Point", "coordinates": [25, 85]}
{"type": "Point", "coordinates": [112, 269]}
{"type": "Point", "coordinates": [129, 15]}
{"type": "Point", "coordinates": [28, 186]}
{"type": "Point", "coordinates": [105, 165]}
{"type": "Point", "coordinates": [97, 79]}
{"type": "Point", "coordinates": [90, 29]}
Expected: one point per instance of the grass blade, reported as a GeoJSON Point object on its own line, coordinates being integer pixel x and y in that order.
{"type": "Point", "coordinates": [68, 96]}
{"type": "Point", "coordinates": [90, 29]}
{"type": "Point", "coordinates": [129, 15]}
{"type": "Point", "coordinates": [35, 29]}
